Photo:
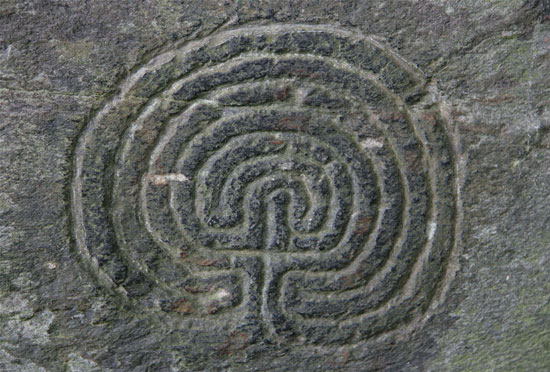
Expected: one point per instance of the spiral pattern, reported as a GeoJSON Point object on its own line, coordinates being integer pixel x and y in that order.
{"type": "Point", "coordinates": [282, 177]}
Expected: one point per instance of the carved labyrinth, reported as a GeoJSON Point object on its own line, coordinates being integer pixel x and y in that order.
{"type": "Point", "coordinates": [284, 176]}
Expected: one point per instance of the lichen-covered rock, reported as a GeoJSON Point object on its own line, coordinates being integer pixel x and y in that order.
{"type": "Point", "coordinates": [267, 186]}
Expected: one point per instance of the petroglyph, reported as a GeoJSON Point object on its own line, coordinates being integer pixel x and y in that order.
{"type": "Point", "coordinates": [283, 175]}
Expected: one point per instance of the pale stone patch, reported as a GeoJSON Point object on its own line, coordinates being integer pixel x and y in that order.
{"type": "Point", "coordinates": [13, 304]}
{"type": "Point", "coordinates": [371, 143]}
{"type": "Point", "coordinates": [431, 230]}
{"type": "Point", "coordinates": [221, 294]}
{"type": "Point", "coordinates": [163, 179]}
{"type": "Point", "coordinates": [34, 329]}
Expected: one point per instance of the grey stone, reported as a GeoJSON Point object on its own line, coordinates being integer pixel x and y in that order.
{"type": "Point", "coordinates": [267, 186]}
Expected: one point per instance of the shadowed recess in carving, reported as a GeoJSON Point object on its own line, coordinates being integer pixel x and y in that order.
{"type": "Point", "coordinates": [271, 176]}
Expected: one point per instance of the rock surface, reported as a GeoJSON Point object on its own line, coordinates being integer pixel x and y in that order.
{"type": "Point", "coordinates": [265, 185]}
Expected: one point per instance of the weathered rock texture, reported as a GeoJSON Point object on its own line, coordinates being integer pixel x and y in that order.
{"type": "Point", "coordinates": [273, 186]}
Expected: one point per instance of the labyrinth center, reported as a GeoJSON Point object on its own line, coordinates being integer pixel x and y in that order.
{"type": "Point", "coordinates": [284, 176]}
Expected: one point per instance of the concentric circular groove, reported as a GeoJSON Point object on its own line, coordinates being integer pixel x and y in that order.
{"type": "Point", "coordinates": [274, 177]}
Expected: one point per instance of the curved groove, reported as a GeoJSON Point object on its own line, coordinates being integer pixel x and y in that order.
{"type": "Point", "coordinates": [397, 274]}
